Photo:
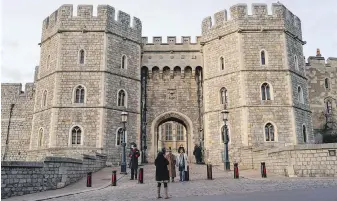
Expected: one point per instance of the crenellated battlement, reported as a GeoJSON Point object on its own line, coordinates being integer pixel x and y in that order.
{"type": "Point", "coordinates": [171, 40]}
{"type": "Point", "coordinates": [280, 18]}
{"type": "Point", "coordinates": [64, 20]}
{"type": "Point", "coordinates": [322, 62]}
{"type": "Point", "coordinates": [12, 90]}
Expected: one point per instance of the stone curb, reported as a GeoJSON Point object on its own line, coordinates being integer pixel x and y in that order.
{"type": "Point", "coordinates": [79, 192]}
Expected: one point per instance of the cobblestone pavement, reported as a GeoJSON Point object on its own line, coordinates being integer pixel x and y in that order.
{"type": "Point", "coordinates": [223, 183]}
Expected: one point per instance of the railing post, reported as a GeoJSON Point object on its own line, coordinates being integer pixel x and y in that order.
{"type": "Point", "coordinates": [263, 170]}
{"type": "Point", "coordinates": [89, 179]}
{"type": "Point", "coordinates": [141, 176]}
{"type": "Point", "coordinates": [236, 171]}
{"type": "Point", "coordinates": [187, 174]}
{"type": "Point", "coordinates": [114, 178]}
{"type": "Point", "coordinates": [209, 172]}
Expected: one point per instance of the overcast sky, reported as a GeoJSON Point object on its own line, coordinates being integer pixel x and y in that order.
{"type": "Point", "coordinates": [22, 22]}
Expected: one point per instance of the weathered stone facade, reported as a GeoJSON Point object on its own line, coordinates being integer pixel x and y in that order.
{"type": "Point", "coordinates": [322, 77]}
{"type": "Point", "coordinates": [88, 61]}
{"type": "Point", "coordinates": [19, 178]}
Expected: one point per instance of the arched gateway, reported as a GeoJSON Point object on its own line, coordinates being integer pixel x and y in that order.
{"type": "Point", "coordinates": [167, 117]}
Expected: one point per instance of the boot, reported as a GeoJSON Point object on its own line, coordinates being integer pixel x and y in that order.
{"type": "Point", "coordinates": [166, 193]}
{"type": "Point", "coordinates": [158, 193]}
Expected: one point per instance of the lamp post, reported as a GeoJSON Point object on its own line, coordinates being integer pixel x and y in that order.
{"type": "Point", "coordinates": [226, 139]}
{"type": "Point", "coordinates": [124, 120]}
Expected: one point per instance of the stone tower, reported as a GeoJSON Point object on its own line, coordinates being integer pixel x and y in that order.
{"type": "Point", "coordinates": [322, 77]}
{"type": "Point", "coordinates": [173, 94]}
{"type": "Point", "coordinates": [89, 73]}
{"type": "Point", "coordinates": [254, 64]}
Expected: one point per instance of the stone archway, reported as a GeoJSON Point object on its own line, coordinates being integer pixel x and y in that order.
{"type": "Point", "coordinates": [171, 116]}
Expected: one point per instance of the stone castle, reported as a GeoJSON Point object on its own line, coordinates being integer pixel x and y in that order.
{"type": "Point", "coordinates": [94, 67]}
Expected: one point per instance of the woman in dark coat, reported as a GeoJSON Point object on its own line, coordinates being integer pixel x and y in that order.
{"type": "Point", "coordinates": [162, 173]}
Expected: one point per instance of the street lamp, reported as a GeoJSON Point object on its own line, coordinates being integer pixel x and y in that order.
{"type": "Point", "coordinates": [226, 139]}
{"type": "Point", "coordinates": [124, 120]}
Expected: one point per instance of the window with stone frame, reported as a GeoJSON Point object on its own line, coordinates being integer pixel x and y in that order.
{"type": "Point", "coordinates": [326, 83]}
{"type": "Point", "coordinates": [269, 132]}
{"type": "Point", "coordinates": [222, 134]}
{"type": "Point", "coordinates": [82, 56]}
{"type": "Point", "coordinates": [119, 137]}
{"type": "Point", "coordinates": [222, 63]}
{"type": "Point", "coordinates": [124, 62]}
{"type": "Point", "coordinates": [48, 61]}
{"type": "Point", "coordinates": [328, 106]}
{"type": "Point", "coordinates": [180, 132]}
{"type": "Point", "coordinates": [76, 135]}
{"type": "Point", "coordinates": [263, 57]}
{"type": "Point", "coordinates": [300, 94]}
{"type": "Point", "coordinates": [44, 98]}
{"type": "Point", "coordinates": [168, 131]}
{"type": "Point", "coordinates": [304, 133]}
{"type": "Point", "coordinates": [296, 62]}
{"type": "Point", "coordinates": [121, 98]}
{"type": "Point", "coordinates": [79, 94]}
{"type": "Point", "coordinates": [224, 96]}
{"type": "Point", "coordinates": [265, 91]}
{"type": "Point", "coordinates": [40, 139]}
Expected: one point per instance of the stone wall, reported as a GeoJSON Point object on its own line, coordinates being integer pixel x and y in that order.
{"type": "Point", "coordinates": [172, 90]}
{"type": "Point", "coordinates": [19, 178]}
{"type": "Point", "coordinates": [240, 41]}
{"type": "Point", "coordinates": [16, 128]}
{"type": "Point", "coordinates": [311, 160]}
{"type": "Point", "coordinates": [318, 70]}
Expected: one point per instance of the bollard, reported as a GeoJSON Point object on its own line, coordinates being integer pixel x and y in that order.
{"type": "Point", "coordinates": [141, 176]}
{"type": "Point", "coordinates": [114, 178]}
{"type": "Point", "coordinates": [236, 171]}
{"type": "Point", "coordinates": [89, 179]}
{"type": "Point", "coordinates": [187, 174]}
{"type": "Point", "coordinates": [209, 171]}
{"type": "Point", "coordinates": [263, 170]}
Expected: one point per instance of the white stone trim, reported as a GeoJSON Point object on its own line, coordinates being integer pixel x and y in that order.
{"type": "Point", "coordinates": [126, 62]}
{"type": "Point", "coordinates": [275, 131]}
{"type": "Point", "coordinates": [296, 62]}
{"type": "Point", "coordinates": [79, 56]}
{"type": "Point", "coordinates": [70, 135]}
{"type": "Point", "coordinates": [220, 99]}
{"type": "Point", "coordinates": [265, 57]}
{"type": "Point", "coordinates": [300, 95]}
{"type": "Point", "coordinates": [126, 98]}
{"type": "Point", "coordinates": [271, 91]}
{"type": "Point", "coordinates": [74, 94]}
{"type": "Point", "coordinates": [224, 63]}
{"type": "Point", "coordinates": [38, 137]}
{"type": "Point", "coordinates": [48, 61]}
{"type": "Point", "coordinates": [306, 133]}
{"type": "Point", "coordinates": [229, 134]}
{"type": "Point", "coordinates": [44, 104]}
{"type": "Point", "coordinates": [126, 136]}
{"type": "Point", "coordinates": [326, 78]}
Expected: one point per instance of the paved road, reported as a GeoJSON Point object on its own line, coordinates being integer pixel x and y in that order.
{"type": "Point", "coordinates": [223, 187]}
{"type": "Point", "coordinates": [319, 194]}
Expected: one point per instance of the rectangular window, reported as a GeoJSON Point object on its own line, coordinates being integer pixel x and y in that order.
{"type": "Point", "coordinates": [168, 131]}
{"type": "Point", "coordinates": [180, 132]}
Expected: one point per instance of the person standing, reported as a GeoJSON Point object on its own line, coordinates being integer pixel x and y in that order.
{"type": "Point", "coordinates": [134, 154]}
{"type": "Point", "coordinates": [172, 164]}
{"type": "Point", "coordinates": [195, 153]}
{"type": "Point", "coordinates": [162, 173]}
{"type": "Point", "coordinates": [182, 163]}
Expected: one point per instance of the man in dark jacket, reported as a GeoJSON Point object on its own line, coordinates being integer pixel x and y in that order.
{"type": "Point", "coordinates": [162, 172]}
{"type": "Point", "coordinates": [197, 154]}
{"type": "Point", "coordinates": [134, 154]}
